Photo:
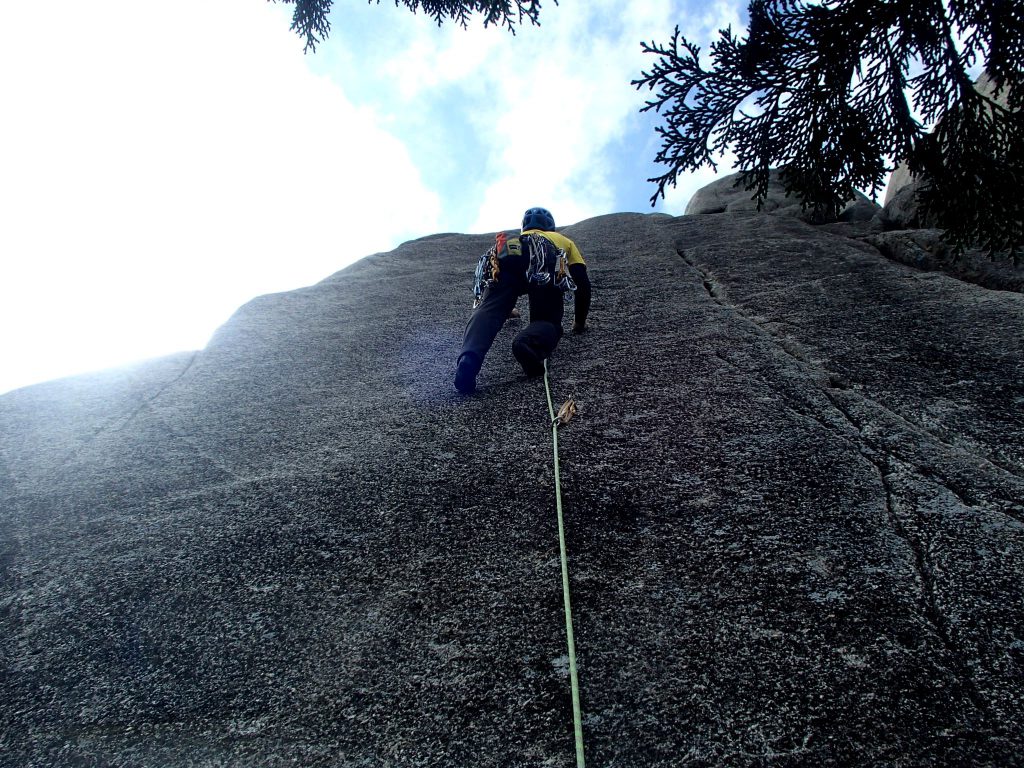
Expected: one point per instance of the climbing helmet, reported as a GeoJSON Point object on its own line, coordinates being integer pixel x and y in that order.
{"type": "Point", "coordinates": [538, 218]}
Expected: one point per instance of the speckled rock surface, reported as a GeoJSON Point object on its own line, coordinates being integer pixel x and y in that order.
{"type": "Point", "coordinates": [794, 501]}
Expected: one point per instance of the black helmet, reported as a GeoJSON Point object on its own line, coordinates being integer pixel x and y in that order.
{"type": "Point", "coordinates": [538, 218]}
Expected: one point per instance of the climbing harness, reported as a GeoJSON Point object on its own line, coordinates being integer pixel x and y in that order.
{"type": "Point", "coordinates": [565, 413]}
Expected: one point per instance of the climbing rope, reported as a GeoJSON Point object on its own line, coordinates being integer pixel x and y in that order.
{"type": "Point", "coordinates": [563, 416]}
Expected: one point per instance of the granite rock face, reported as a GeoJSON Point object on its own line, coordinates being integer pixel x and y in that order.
{"type": "Point", "coordinates": [794, 501]}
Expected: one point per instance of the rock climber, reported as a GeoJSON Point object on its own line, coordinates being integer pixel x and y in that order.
{"type": "Point", "coordinates": [538, 339]}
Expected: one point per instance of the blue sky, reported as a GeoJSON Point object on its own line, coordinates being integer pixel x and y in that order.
{"type": "Point", "coordinates": [162, 163]}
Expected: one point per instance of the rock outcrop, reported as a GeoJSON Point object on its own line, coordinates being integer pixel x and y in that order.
{"type": "Point", "coordinates": [904, 186]}
{"type": "Point", "coordinates": [900, 231]}
{"type": "Point", "coordinates": [903, 211]}
{"type": "Point", "coordinates": [728, 194]}
{"type": "Point", "coordinates": [794, 500]}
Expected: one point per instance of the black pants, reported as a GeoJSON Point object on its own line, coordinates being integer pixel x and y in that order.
{"type": "Point", "coordinates": [546, 309]}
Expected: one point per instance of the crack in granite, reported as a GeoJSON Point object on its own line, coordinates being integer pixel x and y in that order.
{"type": "Point", "coordinates": [879, 458]}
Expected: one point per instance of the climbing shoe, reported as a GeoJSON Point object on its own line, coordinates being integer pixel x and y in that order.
{"type": "Point", "coordinates": [465, 373]}
{"type": "Point", "coordinates": [533, 364]}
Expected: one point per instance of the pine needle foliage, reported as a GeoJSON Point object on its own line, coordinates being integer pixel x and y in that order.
{"type": "Point", "coordinates": [836, 92]}
{"type": "Point", "coordinates": [310, 20]}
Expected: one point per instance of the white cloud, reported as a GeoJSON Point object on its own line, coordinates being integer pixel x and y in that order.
{"type": "Point", "coordinates": [503, 122]}
{"type": "Point", "coordinates": [714, 16]}
{"type": "Point", "coordinates": [575, 77]}
{"type": "Point", "coordinates": [572, 95]}
{"type": "Point", "coordinates": [543, 104]}
{"type": "Point", "coordinates": [163, 164]}
{"type": "Point", "coordinates": [437, 56]}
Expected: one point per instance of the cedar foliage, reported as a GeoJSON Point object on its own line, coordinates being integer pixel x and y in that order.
{"type": "Point", "coordinates": [310, 17]}
{"type": "Point", "coordinates": [827, 91]}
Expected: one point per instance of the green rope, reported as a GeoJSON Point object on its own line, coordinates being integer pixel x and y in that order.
{"type": "Point", "coordinates": [573, 677]}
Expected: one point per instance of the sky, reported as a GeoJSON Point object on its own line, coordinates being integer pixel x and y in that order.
{"type": "Point", "coordinates": [163, 163]}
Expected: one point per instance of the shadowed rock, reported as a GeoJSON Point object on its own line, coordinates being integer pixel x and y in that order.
{"type": "Point", "coordinates": [794, 500]}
